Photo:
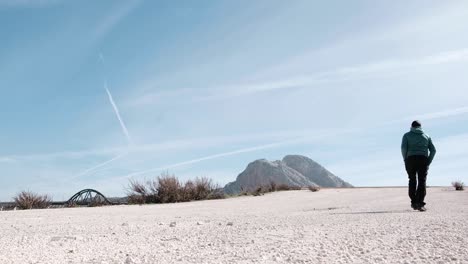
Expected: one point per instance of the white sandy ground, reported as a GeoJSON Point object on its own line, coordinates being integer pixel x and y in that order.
{"type": "Point", "coordinates": [374, 225]}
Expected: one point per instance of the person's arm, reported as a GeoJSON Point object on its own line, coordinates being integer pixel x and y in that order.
{"type": "Point", "coordinates": [404, 147]}
{"type": "Point", "coordinates": [432, 151]}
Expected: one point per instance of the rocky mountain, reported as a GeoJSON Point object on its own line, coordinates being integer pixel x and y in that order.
{"type": "Point", "coordinates": [293, 170]}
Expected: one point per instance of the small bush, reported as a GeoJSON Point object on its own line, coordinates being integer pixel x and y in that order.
{"type": "Point", "coordinates": [273, 186]}
{"type": "Point", "coordinates": [188, 191]}
{"type": "Point", "coordinates": [259, 191]}
{"type": "Point", "coordinates": [285, 187]}
{"type": "Point", "coordinates": [243, 191]}
{"type": "Point", "coordinates": [314, 188]}
{"type": "Point", "coordinates": [137, 192]}
{"type": "Point", "coordinates": [216, 194]}
{"type": "Point", "coordinates": [203, 188]}
{"type": "Point", "coordinates": [30, 200]}
{"type": "Point", "coordinates": [136, 199]}
{"type": "Point", "coordinates": [168, 189]}
{"type": "Point", "coordinates": [458, 185]}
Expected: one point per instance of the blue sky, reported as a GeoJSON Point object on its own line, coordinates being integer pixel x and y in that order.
{"type": "Point", "coordinates": [96, 92]}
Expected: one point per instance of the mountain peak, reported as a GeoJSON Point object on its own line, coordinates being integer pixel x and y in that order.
{"type": "Point", "coordinates": [292, 170]}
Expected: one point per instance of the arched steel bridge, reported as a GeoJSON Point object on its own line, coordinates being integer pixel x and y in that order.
{"type": "Point", "coordinates": [88, 197]}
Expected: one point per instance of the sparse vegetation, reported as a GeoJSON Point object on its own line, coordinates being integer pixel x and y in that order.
{"type": "Point", "coordinates": [314, 188]}
{"type": "Point", "coordinates": [243, 192]}
{"type": "Point", "coordinates": [259, 191]}
{"type": "Point", "coordinates": [285, 187]}
{"type": "Point", "coordinates": [168, 189]}
{"type": "Point", "coordinates": [139, 193]}
{"type": "Point", "coordinates": [31, 200]}
{"type": "Point", "coordinates": [458, 185]}
{"type": "Point", "coordinates": [272, 187]}
{"type": "Point", "coordinates": [217, 193]}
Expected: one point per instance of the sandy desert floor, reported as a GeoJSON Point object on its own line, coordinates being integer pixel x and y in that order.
{"type": "Point", "coordinates": [370, 225]}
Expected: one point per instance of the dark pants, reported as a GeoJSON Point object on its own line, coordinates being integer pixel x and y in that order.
{"type": "Point", "coordinates": [417, 165]}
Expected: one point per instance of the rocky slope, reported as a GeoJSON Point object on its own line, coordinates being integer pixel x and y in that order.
{"type": "Point", "coordinates": [293, 170]}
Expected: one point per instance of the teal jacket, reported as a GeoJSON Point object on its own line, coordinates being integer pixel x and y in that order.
{"type": "Point", "coordinates": [416, 142]}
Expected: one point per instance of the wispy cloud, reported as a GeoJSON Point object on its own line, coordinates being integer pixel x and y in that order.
{"type": "Point", "coordinates": [383, 169]}
{"type": "Point", "coordinates": [117, 113]}
{"type": "Point", "coordinates": [208, 142]}
{"type": "Point", "coordinates": [300, 139]}
{"type": "Point", "coordinates": [358, 72]}
{"type": "Point", "coordinates": [453, 112]}
{"type": "Point", "coordinates": [398, 65]}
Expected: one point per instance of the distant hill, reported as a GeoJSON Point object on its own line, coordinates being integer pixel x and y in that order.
{"type": "Point", "coordinates": [293, 170]}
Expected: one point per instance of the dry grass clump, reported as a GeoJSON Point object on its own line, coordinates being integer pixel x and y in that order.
{"type": "Point", "coordinates": [272, 187]}
{"type": "Point", "coordinates": [314, 188]}
{"type": "Point", "coordinates": [458, 185]}
{"type": "Point", "coordinates": [188, 191]}
{"type": "Point", "coordinates": [31, 200]}
{"type": "Point", "coordinates": [168, 189]}
{"type": "Point", "coordinates": [243, 191]}
{"type": "Point", "coordinates": [259, 191]}
{"type": "Point", "coordinates": [139, 193]}
{"type": "Point", "coordinates": [136, 199]}
{"type": "Point", "coordinates": [285, 187]}
{"type": "Point", "coordinates": [217, 193]}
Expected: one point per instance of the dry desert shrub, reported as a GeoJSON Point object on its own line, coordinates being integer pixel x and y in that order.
{"type": "Point", "coordinates": [136, 199]}
{"type": "Point", "coordinates": [31, 200]}
{"type": "Point", "coordinates": [137, 192]}
{"type": "Point", "coordinates": [259, 191]}
{"type": "Point", "coordinates": [314, 188]}
{"type": "Point", "coordinates": [273, 186]}
{"type": "Point", "coordinates": [458, 185]}
{"type": "Point", "coordinates": [217, 193]}
{"type": "Point", "coordinates": [168, 189]}
{"type": "Point", "coordinates": [243, 191]}
{"type": "Point", "coordinates": [188, 191]}
{"type": "Point", "coordinates": [285, 187]}
{"type": "Point", "coordinates": [138, 188]}
{"type": "Point", "coordinates": [203, 188]}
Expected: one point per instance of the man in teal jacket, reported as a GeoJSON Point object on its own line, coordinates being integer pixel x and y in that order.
{"type": "Point", "coordinates": [418, 152]}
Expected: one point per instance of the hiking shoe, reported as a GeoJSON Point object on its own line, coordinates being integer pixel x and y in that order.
{"type": "Point", "coordinates": [422, 209]}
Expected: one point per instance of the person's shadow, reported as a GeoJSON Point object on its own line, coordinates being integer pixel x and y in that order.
{"type": "Point", "coordinates": [376, 212]}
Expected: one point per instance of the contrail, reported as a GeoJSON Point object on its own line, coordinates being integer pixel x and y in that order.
{"type": "Point", "coordinates": [122, 125]}
{"type": "Point", "coordinates": [99, 166]}
{"type": "Point", "coordinates": [219, 155]}
{"type": "Point", "coordinates": [114, 106]}
{"type": "Point", "coordinates": [116, 110]}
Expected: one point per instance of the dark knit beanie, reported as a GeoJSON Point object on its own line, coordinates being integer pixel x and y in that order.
{"type": "Point", "coordinates": [416, 123]}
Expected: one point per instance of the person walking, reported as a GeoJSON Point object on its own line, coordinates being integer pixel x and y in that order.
{"type": "Point", "coordinates": [418, 152]}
